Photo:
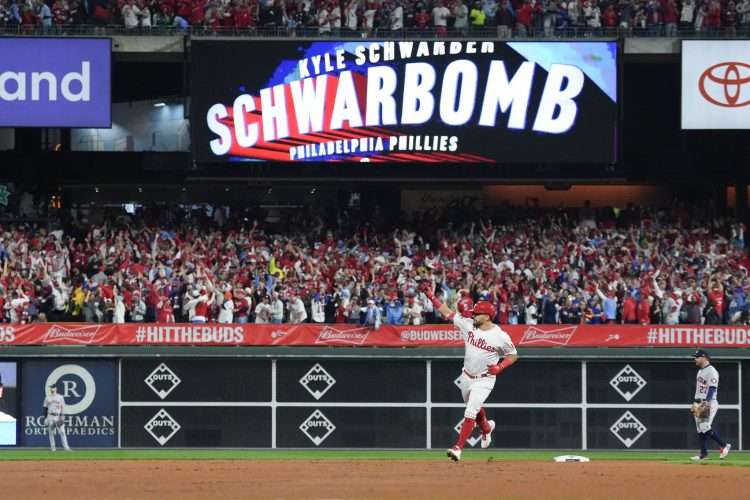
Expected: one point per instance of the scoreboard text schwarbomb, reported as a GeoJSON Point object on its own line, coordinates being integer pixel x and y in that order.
{"type": "Point", "coordinates": [405, 101]}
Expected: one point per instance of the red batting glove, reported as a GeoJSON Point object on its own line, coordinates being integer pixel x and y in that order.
{"type": "Point", "coordinates": [498, 368]}
{"type": "Point", "coordinates": [493, 369]}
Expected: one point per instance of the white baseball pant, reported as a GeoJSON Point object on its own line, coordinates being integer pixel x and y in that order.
{"type": "Point", "coordinates": [475, 392]}
{"type": "Point", "coordinates": [704, 424]}
{"type": "Point", "coordinates": [56, 423]}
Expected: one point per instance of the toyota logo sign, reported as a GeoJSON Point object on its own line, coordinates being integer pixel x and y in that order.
{"type": "Point", "coordinates": [729, 79]}
{"type": "Point", "coordinates": [715, 85]}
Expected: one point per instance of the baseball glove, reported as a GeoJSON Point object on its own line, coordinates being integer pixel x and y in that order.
{"type": "Point", "coordinates": [701, 410]}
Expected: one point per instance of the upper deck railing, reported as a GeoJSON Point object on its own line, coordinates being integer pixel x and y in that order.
{"type": "Point", "coordinates": [570, 32]}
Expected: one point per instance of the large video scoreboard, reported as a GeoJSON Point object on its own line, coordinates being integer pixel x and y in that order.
{"type": "Point", "coordinates": [404, 101]}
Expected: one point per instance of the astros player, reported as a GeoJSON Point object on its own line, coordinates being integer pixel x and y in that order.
{"type": "Point", "coordinates": [484, 344]}
{"type": "Point", "coordinates": [706, 388]}
{"type": "Point", "coordinates": [54, 413]}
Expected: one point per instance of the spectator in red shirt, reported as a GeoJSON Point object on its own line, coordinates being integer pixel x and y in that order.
{"type": "Point", "coordinates": [644, 310]}
{"type": "Point", "coordinates": [103, 12]}
{"type": "Point", "coordinates": [422, 19]}
{"type": "Point", "coordinates": [213, 18]}
{"type": "Point", "coordinates": [60, 12]}
{"type": "Point", "coordinates": [165, 313]}
{"type": "Point", "coordinates": [242, 17]}
{"type": "Point", "coordinates": [196, 15]}
{"type": "Point", "coordinates": [29, 18]}
{"type": "Point", "coordinates": [630, 310]}
{"type": "Point", "coordinates": [671, 17]}
{"type": "Point", "coordinates": [715, 313]}
{"type": "Point", "coordinates": [523, 19]}
{"type": "Point", "coordinates": [184, 9]}
{"type": "Point", "coordinates": [713, 18]}
{"type": "Point", "coordinates": [609, 17]}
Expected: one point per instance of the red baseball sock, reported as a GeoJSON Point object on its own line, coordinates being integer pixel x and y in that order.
{"type": "Point", "coordinates": [482, 422]}
{"type": "Point", "coordinates": [466, 429]}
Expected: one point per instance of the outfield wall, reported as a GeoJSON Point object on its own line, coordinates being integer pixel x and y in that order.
{"type": "Point", "coordinates": [369, 398]}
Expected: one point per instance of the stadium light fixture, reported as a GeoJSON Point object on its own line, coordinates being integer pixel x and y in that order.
{"type": "Point", "coordinates": [159, 104]}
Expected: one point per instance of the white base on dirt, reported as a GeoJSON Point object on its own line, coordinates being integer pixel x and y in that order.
{"type": "Point", "coordinates": [571, 458]}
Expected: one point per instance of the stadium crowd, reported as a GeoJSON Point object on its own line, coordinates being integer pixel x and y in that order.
{"type": "Point", "coordinates": [218, 265]}
{"type": "Point", "coordinates": [509, 18]}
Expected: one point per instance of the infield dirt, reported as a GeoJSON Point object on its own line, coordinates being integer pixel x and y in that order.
{"type": "Point", "coordinates": [408, 479]}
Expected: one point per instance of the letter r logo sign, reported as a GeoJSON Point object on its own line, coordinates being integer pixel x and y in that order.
{"type": "Point", "coordinates": [70, 387]}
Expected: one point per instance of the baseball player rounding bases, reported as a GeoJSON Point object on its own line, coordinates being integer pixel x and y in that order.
{"type": "Point", "coordinates": [706, 405]}
{"type": "Point", "coordinates": [484, 343]}
{"type": "Point", "coordinates": [54, 413]}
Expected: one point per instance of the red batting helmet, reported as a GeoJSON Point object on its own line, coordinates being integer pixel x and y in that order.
{"type": "Point", "coordinates": [465, 306]}
{"type": "Point", "coordinates": [484, 307]}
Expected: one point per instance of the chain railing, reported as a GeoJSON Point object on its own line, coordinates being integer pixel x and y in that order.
{"type": "Point", "coordinates": [571, 32]}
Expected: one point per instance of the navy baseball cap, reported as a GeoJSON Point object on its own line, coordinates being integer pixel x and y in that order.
{"type": "Point", "coordinates": [700, 353]}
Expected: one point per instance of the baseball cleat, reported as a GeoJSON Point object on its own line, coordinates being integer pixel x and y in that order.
{"type": "Point", "coordinates": [487, 438]}
{"type": "Point", "coordinates": [725, 450]}
{"type": "Point", "coordinates": [698, 458]}
{"type": "Point", "coordinates": [454, 453]}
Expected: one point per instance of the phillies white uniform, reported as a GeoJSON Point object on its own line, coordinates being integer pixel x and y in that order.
{"type": "Point", "coordinates": [483, 348]}
{"type": "Point", "coordinates": [707, 377]}
{"type": "Point", "coordinates": [55, 405]}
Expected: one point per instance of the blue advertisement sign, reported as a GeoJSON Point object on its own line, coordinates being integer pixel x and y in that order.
{"type": "Point", "coordinates": [55, 82]}
{"type": "Point", "coordinates": [89, 389]}
{"type": "Point", "coordinates": [8, 403]}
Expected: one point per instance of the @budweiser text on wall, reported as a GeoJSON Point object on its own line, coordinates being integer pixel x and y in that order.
{"type": "Point", "coordinates": [403, 101]}
{"type": "Point", "coordinates": [716, 84]}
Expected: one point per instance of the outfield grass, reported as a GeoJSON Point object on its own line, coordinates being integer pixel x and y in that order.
{"type": "Point", "coordinates": [735, 458]}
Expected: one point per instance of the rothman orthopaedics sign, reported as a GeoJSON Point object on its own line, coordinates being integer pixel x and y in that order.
{"type": "Point", "coordinates": [55, 82]}
{"type": "Point", "coordinates": [404, 101]}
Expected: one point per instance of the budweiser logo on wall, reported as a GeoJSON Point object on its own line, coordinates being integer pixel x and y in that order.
{"type": "Point", "coordinates": [79, 334]}
{"type": "Point", "coordinates": [431, 335]}
{"type": "Point", "coordinates": [559, 336]}
{"type": "Point", "coordinates": [355, 336]}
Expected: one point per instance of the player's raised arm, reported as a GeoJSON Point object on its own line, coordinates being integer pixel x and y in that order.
{"type": "Point", "coordinates": [446, 311]}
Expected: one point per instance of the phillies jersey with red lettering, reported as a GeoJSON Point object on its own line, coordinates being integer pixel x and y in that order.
{"type": "Point", "coordinates": [483, 347]}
